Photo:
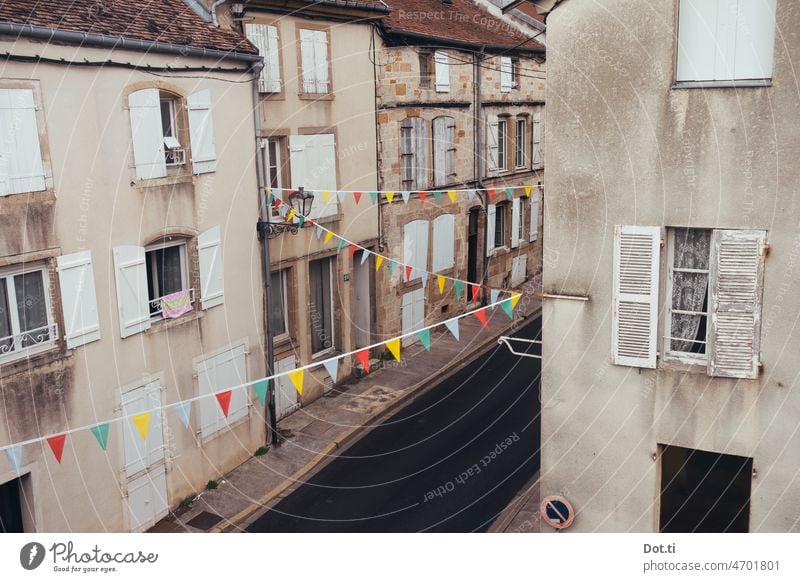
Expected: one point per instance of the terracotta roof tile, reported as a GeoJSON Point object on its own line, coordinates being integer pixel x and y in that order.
{"type": "Point", "coordinates": [169, 21]}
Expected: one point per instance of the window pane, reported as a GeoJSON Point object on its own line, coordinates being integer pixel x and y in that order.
{"type": "Point", "coordinates": [168, 266]}
{"type": "Point", "coordinates": [31, 307]}
{"type": "Point", "coordinates": [166, 118]}
{"type": "Point", "coordinates": [498, 225]}
{"type": "Point", "coordinates": [274, 180]}
{"type": "Point", "coordinates": [692, 248]}
{"type": "Point", "coordinates": [277, 319]}
{"type": "Point", "coordinates": [5, 319]}
{"type": "Point", "coordinates": [501, 144]}
{"type": "Point", "coordinates": [321, 305]}
{"type": "Point", "coordinates": [692, 328]}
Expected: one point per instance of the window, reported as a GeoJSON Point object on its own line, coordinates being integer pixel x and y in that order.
{"type": "Point", "coordinates": [499, 224]}
{"type": "Point", "coordinates": [444, 149]}
{"type": "Point", "coordinates": [519, 219]}
{"type": "Point", "coordinates": [174, 155]}
{"type": "Point", "coordinates": [502, 144]}
{"type": "Point", "coordinates": [321, 303]}
{"type": "Point", "coordinates": [425, 69]}
{"type": "Point", "coordinates": [278, 311]}
{"type": "Point", "coordinates": [536, 154]}
{"type": "Point", "coordinates": [21, 168]}
{"type": "Point", "coordinates": [274, 166]}
{"type": "Point", "coordinates": [25, 316]}
{"type": "Point", "coordinates": [520, 142]}
{"type": "Point", "coordinates": [415, 247]}
{"type": "Point", "coordinates": [506, 74]}
{"type": "Point", "coordinates": [414, 153]}
{"type": "Point", "coordinates": [168, 291]}
{"type": "Point", "coordinates": [314, 61]}
{"type": "Point", "coordinates": [442, 61]}
{"type": "Point", "coordinates": [725, 40]}
{"type": "Point", "coordinates": [265, 38]}
{"type": "Point", "coordinates": [444, 227]}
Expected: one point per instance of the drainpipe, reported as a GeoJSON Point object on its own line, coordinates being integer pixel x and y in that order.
{"type": "Point", "coordinates": [478, 59]}
{"type": "Point", "coordinates": [214, 20]}
{"type": "Point", "coordinates": [377, 139]}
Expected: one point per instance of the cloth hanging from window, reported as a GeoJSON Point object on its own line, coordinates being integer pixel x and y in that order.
{"type": "Point", "coordinates": [690, 289]}
{"type": "Point", "coordinates": [176, 304]}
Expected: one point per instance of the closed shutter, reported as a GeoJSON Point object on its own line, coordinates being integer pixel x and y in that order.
{"type": "Point", "coordinates": [132, 298]}
{"type": "Point", "coordinates": [78, 298]}
{"type": "Point", "coordinates": [415, 247]}
{"type": "Point", "coordinates": [420, 152]}
{"type": "Point", "coordinates": [516, 207]}
{"type": "Point", "coordinates": [534, 233]}
{"type": "Point", "coordinates": [142, 454]}
{"type": "Point", "coordinates": [519, 270]}
{"type": "Point", "coordinates": [536, 155]}
{"type": "Point", "coordinates": [450, 158]}
{"type": "Point", "coordinates": [313, 166]}
{"type": "Point", "coordinates": [444, 227]}
{"type": "Point", "coordinates": [148, 134]}
{"type": "Point", "coordinates": [307, 60]}
{"type": "Point", "coordinates": [492, 145]}
{"type": "Point", "coordinates": [635, 307]}
{"type": "Point", "coordinates": [201, 132]}
{"type": "Point", "coordinates": [216, 374]}
{"type": "Point", "coordinates": [440, 146]}
{"type": "Point", "coordinates": [491, 216]}
{"type": "Point", "coordinates": [506, 75]}
{"type": "Point", "coordinates": [442, 62]}
{"type": "Point", "coordinates": [209, 249]}
{"type": "Point", "coordinates": [21, 168]}
{"type": "Point", "coordinates": [321, 60]}
{"type": "Point", "coordinates": [265, 38]}
{"type": "Point", "coordinates": [736, 282]}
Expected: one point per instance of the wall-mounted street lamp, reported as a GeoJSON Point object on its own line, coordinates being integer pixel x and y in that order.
{"type": "Point", "coordinates": [301, 202]}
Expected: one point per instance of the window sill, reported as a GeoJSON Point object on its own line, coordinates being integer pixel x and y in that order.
{"type": "Point", "coordinates": [284, 341]}
{"type": "Point", "coordinates": [28, 361]}
{"type": "Point", "coordinates": [160, 324]}
{"type": "Point", "coordinates": [323, 355]}
{"type": "Point", "coordinates": [182, 178]}
{"type": "Point", "coordinates": [735, 84]}
{"type": "Point", "coordinates": [315, 96]}
{"type": "Point", "coordinates": [676, 364]}
{"type": "Point", "coordinates": [204, 439]}
{"type": "Point", "coordinates": [500, 251]}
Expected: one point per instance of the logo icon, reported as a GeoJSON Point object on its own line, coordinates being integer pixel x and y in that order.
{"type": "Point", "coordinates": [31, 555]}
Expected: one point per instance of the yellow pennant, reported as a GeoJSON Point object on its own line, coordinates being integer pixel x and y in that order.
{"type": "Point", "coordinates": [328, 237]}
{"type": "Point", "coordinates": [325, 195]}
{"type": "Point", "coordinates": [452, 195]}
{"type": "Point", "coordinates": [440, 280]}
{"type": "Point", "coordinates": [297, 379]}
{"type": "Point", "coordinates": [528, 191]}
{"type": "Point", "coordinates": [290, 216]}
{"type": "Point", "coordinates": [515, 299]}
{"type": "Point", "coordinates": [142, 422]}
{"type": "Point", "coordinates": [378, 262]}
{"type": "Point", "coordinates": [390, 196]}
{"type": "Point", "coordinates": [394, 347]}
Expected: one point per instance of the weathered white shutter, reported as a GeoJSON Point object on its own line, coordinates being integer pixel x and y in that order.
{"type": "Point", "coordinates": [132, 298]}
{"type": "Point", "coordinates": [217, 374]}
{"type": "Point", "coordinates": [450, 157]}
{"type": "Point", "coordinates": [534, 232]}
{"type": "Point", "coordinates": [736, 283]}
{"type": "Point", "coordinates": [536, 155]}
{"type": "Point", "coordinates": [442, 62]}
{"type": "Point", "coordinates": [141, 454]}
{"type": "Point", "coordinates": [491, 216]}
{"type": "Point", "coordinates": [313, 166]}
{"type": "Point", "coordinates": [265, 38]}
{"type": "Point", "coordinates": [516, 207]}
{"type": "Point", "coordinates": [201, 132]}
{"type": "Point", "coordinates": [415, 247]}
{"type": "Point", "coordinates": [78, 298]}
{"type": "Point", "coordinates": [519, 270]}
{"type": "Point", "coordinates": [21, 168]}
{"type": "Point", "coordinates": [209, 249]}
{"type": "Point", "coordinates": [321, 61]}
{"type": "Point", "coordinates": [492, 144]}
{"type": "Point", "coordinates": [148, 134]}
{"type": "Point", "coordinates": [444, 227]}
{"type": "Point", "coordinates": [307, 60]}
{"type": "Point", "coordinates": [420, 152]}
{"type": "Point", "coordinates": [506, 76]}
{"type": "Point", "coordinates": [440, 147]}
{"type": "Point", "coordinates": [635, 301]}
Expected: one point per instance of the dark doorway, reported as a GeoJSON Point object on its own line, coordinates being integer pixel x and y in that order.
{"type": "Point", "coordinates": [704, 492]}
{"type": "Point", "coordinates": [11, 508]}
{"type": "Point", "coordinates": [472, 250]}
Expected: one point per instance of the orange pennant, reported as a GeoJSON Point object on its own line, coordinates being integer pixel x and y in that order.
{"type": "Point", "coordinates": [57, 445]}
{"type": "Point", "coordinates": [476, 291]}
{"type": "Point", "coordinates": [481, 315]}
{"type": "Point", "coordinates": [422, 194]}
{"type": "Point", "coordinates": [363, 357]}
{"type": "Point", "coordinates": [408, 273]}
{"type": "Point", "coordinates": [352, 250]}
{"type": "Point", "coordinates": [224, 399]}
{"type": "Point", "coordinates": [357, 196]}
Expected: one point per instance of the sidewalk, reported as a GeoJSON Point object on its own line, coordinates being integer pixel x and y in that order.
{"type": "Point", "coordinates": [315, 433]}
{"type": "Point", "coordinates": [522, 514]}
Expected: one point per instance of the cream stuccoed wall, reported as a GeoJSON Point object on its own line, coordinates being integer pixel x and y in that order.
{"type": "Point", "coordinates": [96, 203]}
{"type": "Point", "coordinates": [626, 148]}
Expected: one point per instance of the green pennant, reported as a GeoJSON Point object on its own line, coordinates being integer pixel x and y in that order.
{"type": "Point", "coordinates": [270, 197]}
{"type": "Point", "coordinates": [260, 388]}
{"type": "Point", "coordinates": [392, 265]}
{"type": "Point", "coordinates": [459, 285]}
{"type": "Point", "coordinates": [437, 196]}
{"type": "Point", "coordinates": [424, 336]}
{"type": "Point", "coordinates": [340, 246]}
{"type": "Point", "coordinates": [300, 220]}
{"type": "Point", "coordinates": [100, 432]}
{"type": "Point", "coordinates": [374, 196]}
{"type": "Point", "coordinates": [509, 310]}
{"type": "Point", "coordinates": [510, 193]}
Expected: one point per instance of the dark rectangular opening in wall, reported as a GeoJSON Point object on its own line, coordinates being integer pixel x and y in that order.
{"type": "Point", "coordinates": [704, 492]}
{"type": "Point", "coordinates": [11, 507]}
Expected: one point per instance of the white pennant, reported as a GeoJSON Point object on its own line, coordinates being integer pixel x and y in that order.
{"type": "Point", "coordinates": [319, 232]}
{"type": "Point", "coordinates": [332, 366]}
{"type": "Point", "coordinates": [364, 256]}
{"type": "Point", "coordinates": [452, 325]}
{"type": "Point", "coordinates": [283, 210]}
{"type": "Point", "coordinates": [183, 410]}
{"type": "Point", "coordinates": [471, 194]}
{"type": "Point", "coordinates": [494, 294]}
{"type": "Point", "coordinates": [424, 278]}
{"type": "Point", "coordinates": [340, 194]}
{"type": "Point", "coordinates": [14, 456]}
{"type": "Point", "coordinates": [406, 196]}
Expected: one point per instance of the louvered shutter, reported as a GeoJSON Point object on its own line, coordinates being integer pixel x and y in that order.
{"type": "Point", "coordinates": [506, 75]}
{"type": "Point", "coordinates": [736, 283]}
{"type": "Point", "coordinates": [492, 144]}
{"type": "Point", "coordinates": [443, 242]}
{"type": "Point", "coordinates": [516, 207]}
{"type": "Point", "coordinates": [635, 307]}
{"type": "Point", "coordinates": [440, 147]}
{"type": "Point", "coordinates": [209, 249]}
{"type": "Point", "coordinates": [307, 60]}
{"type": "Point", "coordinates": [491, 217]}
{"type": "Point", "coordinates": [201, 132]}
{"type": "Point", "coordinates": [442, 62]}
{"type": "Point", "coordinates": [132, 298]}
{"type": "Point", "coordinates": [536, 155]}
{"type": "Point", "coordinates": [78, 298]}
{"type": "Point", "coordinates": [21, 168]}
{"type": "Point", "coordinates": [534, 217]}
{"type": "Point", "coordinates": [148, 134]}
{"type": "Point", "coordinates": [265, 38]}
{"type": "Point", "coordinates": [321, 61]}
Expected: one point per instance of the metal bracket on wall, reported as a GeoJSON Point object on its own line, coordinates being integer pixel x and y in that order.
{"type": "Point", "coordinates": [506, 340]}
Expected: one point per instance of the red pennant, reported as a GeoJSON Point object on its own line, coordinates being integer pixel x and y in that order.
{"type": "Point", "coordinates": [310, 222]}
{"type": "Point", "coordinates": [57, 445]}
{"type": "Point", "coordinates": [476, 291]}
{"type": "Point", "coordinates": [422, 196]}
{"type": "Point", "coordinates": [408, 273]}
{"type": "Point", "coordinates": [277, 203]}
{"type": "Point", "coordinates": [352, 250]}
{"type": "Point", "coordinates": [224, 399]}
{"type": "Point", "coordinates": [490, 194]}
{"type": "Point", "coordinates": [481, 315]}
{"type": "Point", "coordinates": [357, 196]}
{"type": "Point", "coordinates": [363, 357]}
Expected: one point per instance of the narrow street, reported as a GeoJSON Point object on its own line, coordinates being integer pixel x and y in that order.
{"type": "Point", "coordinates": [450, 461]}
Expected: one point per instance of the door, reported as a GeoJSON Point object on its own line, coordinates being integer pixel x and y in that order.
{"type": "Point", "coordinates": [362, 316]}
{"type": "Point", "coordinates": [413, 314]}
{"type": "Point", "coordinates": [11, 507]}
{"type": "Point", "coordinates": [472, 250]}
{"type": "Point", "coordinates": [285, 392]}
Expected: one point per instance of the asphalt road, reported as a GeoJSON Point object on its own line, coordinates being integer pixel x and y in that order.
{"type": "Point", "coordinates": [450, 461]}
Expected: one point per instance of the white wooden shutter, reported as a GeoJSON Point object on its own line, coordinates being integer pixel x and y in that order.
{"type": "Point", "coordinates": [515, 222]}
{"type": "Point", "coordinates": [217, 374]}
{"type": "Point", "coordinates": [519, 270]}
{"type": "Point", "coordinates": [313, 166]}
{"type": "Point", "coordinates": [492, 145]}
{"type": "Point", "coordinates": [736, 283]}
{"type": "Point", "coordinates": [440, 147]}
{"type": "Point", "coordinates": [201, 132]}
{"type": "Point", "coordinates": [212, 281]}
{"type": "Point", "coordinates": [442, 62]}
{"type": "Point", "coordinates": [444, 227]}
{"type": "Point", "coordinates": [148, 134]}
{"type": "Point", "coordinates": [491, 217]}
{"type": "Point", "coordinates": [415, 247]}
{"type": "Point", "coordinates": [450, 156]}
{"type": "Point", "coordinates": [536, 155]}
{"type": "Point", "coordinates": [506, 76]}
{"type": "Point", "coordinates": [21, 168]}
{"type": "Point", "coordinates": [141, 454]}
{"type": "Point", "coordinates": [635, 301]}
{"type": "Point", "coordinates": [321, 61]}
{"type": "Point", "coordinates": [132, 298]}
{"type": "Point", "coordinates": [78, 298]}
{"type": "Point", "coordinates": [307, 60]}
{"type": "Point", "coordinates": [420, 151]}
{"type": "Point", "coordinates": [534, 232]}
{"type": "Point", "coordinates": [265, 38]}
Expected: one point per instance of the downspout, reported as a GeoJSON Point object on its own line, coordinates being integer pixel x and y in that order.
{"type": "Point", "coordinates": [377, 140]}
{"type": "Point", "coordinates": [478, 59]}
{"type": "Point", "coordinates": [213, 9]}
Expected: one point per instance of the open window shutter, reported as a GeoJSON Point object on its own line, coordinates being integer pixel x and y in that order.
{"type": "Point", "coordinates": [148, 134]}
{"type": "Point", "coordinates": [443, 242]}
{"type": "Point", "coordinates": [209, 248]}
{"type": "Point", "coordinates": [132, 298]}
{"type": "Point", "coordinates": [736, 283]}
{"type": "Point", "coordinates": [307, 60]}
{"type": "Point", "coordinates": [321, 60]}
{"type": "Point", "coordinates": [201, 132]}
{"type": "Point", "coordinates": [536, 156]}
{"type": "Point", "coordinates": [505, 74]}
{"type": "Point", "coordinates": [492, 145]}
{"type": "Point", "coordinates": [21, 168]}
{"type": "Point", "coordinates": [450, 157]}
{"type": "Point", "coordinates": [515, 221]}
{"type": "Point", "coordinates": [439, 151]}
{"type": "Point", "coordinates": [442, 61]}
{"type": "Point", "coordinates": [313, 166]}
{"type": "Point", "coordinates": [634, 318]}
{"type": "Point", "coordinates": [421, 152]}
{"type": "Point", "coordinates": [491, 216]}
{"type": "Point", "coordinates": [273, 64]}
{"type": "Point", "coordinates": [78, 298]}
{"type": "Point", "coordinates": [534, 217]}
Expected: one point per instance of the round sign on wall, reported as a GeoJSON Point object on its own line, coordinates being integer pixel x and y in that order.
{"type": "Point", "coordinates": [557, 512]}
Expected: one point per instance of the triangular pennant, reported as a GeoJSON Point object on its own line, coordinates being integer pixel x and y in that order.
{"type": "Point", "coordinates": [406, 195]}
{"type": "Point", "coordinates": [357, 196]}
{"type": "Point", "coordinates": [341, 195]}
{"type": "Point", "coordinates": [277, 203]}
{"type": "Point", "coordinates": [260, 388]}
{"type": "Point", "coordinates": [183, 411]}
{"type": "Point", "coordinates": [340, 246]}
{"type": "Point", "coordinates": [100, 432]}
{"type": "Point", "coordinates": [14, 456]}
{"type": "Point", "coordinates": [328, 237]}
{"type": "Point", "coordinates": [57, 446]}
{"type": "Point", "coordinates": [459, 285]}
{"type": "Point", "coordinates": [326, 196]}
{"type": "Point", "coordinates": [352, 250]}
{"type": "Point", "coordinates": [319, 232]}
{"type": "Point", "coordinates": [515, 299]}
{"type": "Point", "coordinates": [408, 272]}
{"type": "Point", "coordinates": [422, 195]}
{"type": "Point", "coordinates": [510, 193]}
{"type": "Point", "coordinates": [392, 266]}
{"type": "Point", "coordinates": [270, 196]}
{"type": "Point", "coordinates": [283, 210]}
{"type": "Point", "coordinates": [452, 325]}
{"type": "Point", "coordinates": [301, 220]}
{"type": "Point", "coordinates": [142, 423]}
{"type": "Point", "coordinates": [481, 315]}
{"type": "Point", "coordinates": [440, 280]}
{"type": "Point", "coordinates": [437, 196]}
{"type": "Point", "coordinates": [363, 357]}
{"type": "Point", "coordinates": [490, 194]}
{"type": "Point", "coordinates": [394, 347]}
{"type": "Point", "coordinates": [493, 295]}
{"type": "Point", "coordinates": [224, 400]}
{"type": "Point", "coordinates": [452, 195]}
{"type": "Point", "coordinates": [424, 336]}
{"type": "Point", "coordinates": [290, 216]}
{"type": "Point", "coordinates": [471, 194]}
{"type": "Point", "coordinates": [332, 366]}
{"type": "Point", "coordinates": [424, 276]}
{"type": "Point", "coordinates": [364, 256]}
{"type": "Point", "coordinates": [378, 261]}
{"type": "Point", "coordinates": [476, 291]}
{"type": "Point", "coordinates": [506, 305]}
{"type": "Point", "coordinates": [374, 197]}
{"type": "Point", "coordinates": [528, 191]}
{"type": "Point", "coordinates": [297, 379]}
{"type": "Point", "coordinates": [390, 196]}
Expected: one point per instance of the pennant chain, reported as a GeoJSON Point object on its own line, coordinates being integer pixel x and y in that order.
{"type": "Point", "coordinates": [390, 195]}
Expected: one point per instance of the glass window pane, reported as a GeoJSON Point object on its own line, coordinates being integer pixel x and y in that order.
{"type": "Point", "coordinates": [321, 305]}
{"type": "Point", "coordinates": [31, 307]}
{"type": "Point", "coordinates": [168, 269]}
{"type": "Point", "coordinates": [5, 319]}
{"type": "Point", "coordinates": [166, 118]}
{"type": "Point", "coordinates": [277, 319]}
{"type": "Point", "coordinates": [692, 248]}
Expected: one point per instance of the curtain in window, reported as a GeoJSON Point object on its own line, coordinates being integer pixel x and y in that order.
{"type": "Point", "coordinates": [31, 307]}
{"type": "Point", "coordinates": [692, 249]}
{"type": "Point", "coordinates": [168, 266]}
